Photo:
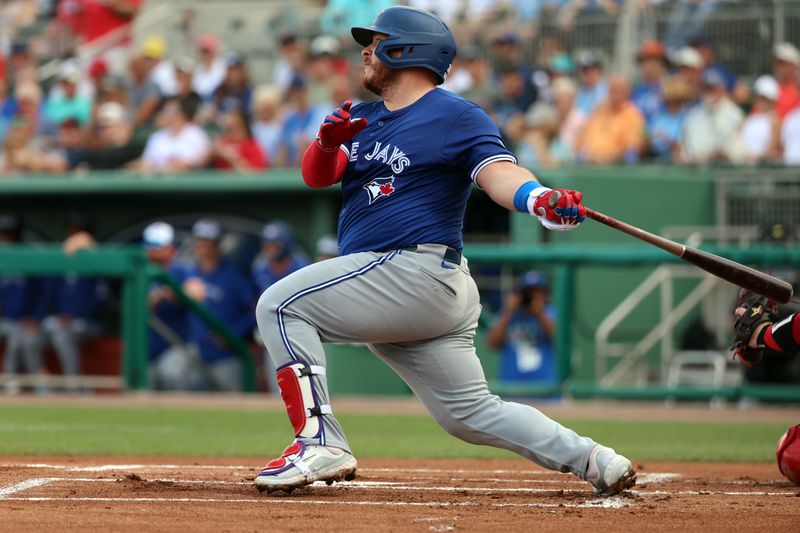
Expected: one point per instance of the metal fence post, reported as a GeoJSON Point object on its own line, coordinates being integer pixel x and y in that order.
{"type": "Point", "coordinates": [134, 325]}
{"type": "Point", "coordinates": [564, 296]}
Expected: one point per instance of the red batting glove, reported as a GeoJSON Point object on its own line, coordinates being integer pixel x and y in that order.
{"type": "Point", "coordinates": [339, 128]}
{"type": "Point", "coordinates": [560, 209]}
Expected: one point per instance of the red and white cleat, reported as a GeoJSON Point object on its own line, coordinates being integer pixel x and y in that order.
{"type": "Point", "coordinates": [300, 465]}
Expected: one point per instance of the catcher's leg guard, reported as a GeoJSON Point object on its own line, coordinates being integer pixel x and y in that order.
{"type": "Point", "coordinates": [297, 391]}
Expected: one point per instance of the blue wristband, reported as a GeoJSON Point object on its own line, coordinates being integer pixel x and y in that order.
{"type": "Point", "coordinates": [522, 194]}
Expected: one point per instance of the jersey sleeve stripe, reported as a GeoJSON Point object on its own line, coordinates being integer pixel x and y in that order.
{"type": "Point", "coordinates": [345, 150]}
{"type": "Point", "coordinates": [489, 160]}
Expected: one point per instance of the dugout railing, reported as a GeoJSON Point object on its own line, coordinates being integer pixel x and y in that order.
{"type": "Point", "coordinates": [130, 266]}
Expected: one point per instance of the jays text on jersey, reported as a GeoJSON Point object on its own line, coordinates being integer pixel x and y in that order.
{"type": "Point", "coordinates": [410, 172]}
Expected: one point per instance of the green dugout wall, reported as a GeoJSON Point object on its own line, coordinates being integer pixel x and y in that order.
{"type": "Point", "coordinates": [649, 197]}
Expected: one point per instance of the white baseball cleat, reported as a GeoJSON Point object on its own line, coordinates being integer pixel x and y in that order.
{"type": "Point", "coordinates": [300, 465]}
{"type": "Point", "coordinates": [608, 472]}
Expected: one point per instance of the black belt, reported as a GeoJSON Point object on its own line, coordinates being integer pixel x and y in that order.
{"type": "Point", "coordinates": [451, 255]}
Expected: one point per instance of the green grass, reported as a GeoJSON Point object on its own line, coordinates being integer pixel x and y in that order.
{"type": "Point", "coordinates": [203, 432]}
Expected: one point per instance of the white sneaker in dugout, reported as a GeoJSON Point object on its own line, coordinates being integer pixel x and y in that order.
{"type": "Point", "coordinates": [300, 465]}
{"type": "Point", "coordinates": [608, 472]}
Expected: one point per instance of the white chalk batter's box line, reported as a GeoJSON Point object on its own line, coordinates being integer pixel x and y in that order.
{"type": "Point", "coordinates": [8, 494]}
{"type": "Point", "coordinates": [643, 478]}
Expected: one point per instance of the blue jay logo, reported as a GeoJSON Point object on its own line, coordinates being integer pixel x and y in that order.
{"type": "Point", "coordinates": [379, 187]}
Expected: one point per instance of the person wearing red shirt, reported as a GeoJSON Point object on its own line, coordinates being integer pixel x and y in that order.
{"type": "Point", "coordinates": [785, 63]}
{"type": "Point", "coordinates": [235, 148]}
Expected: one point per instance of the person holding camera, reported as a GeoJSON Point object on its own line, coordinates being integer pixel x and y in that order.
{"type": "Point", "coordinates": [524, 331]}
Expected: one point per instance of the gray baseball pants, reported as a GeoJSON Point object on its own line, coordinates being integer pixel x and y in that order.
{"type": "Point", "coordinates": [418, 313]}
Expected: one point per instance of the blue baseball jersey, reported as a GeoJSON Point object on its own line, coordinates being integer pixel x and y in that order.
{"type": "Point", "coordinates": [174, 315]}
{"type": "Point", "coordinates": [410, 172]}
{"type": "Point", "coordinates": [231, 297]}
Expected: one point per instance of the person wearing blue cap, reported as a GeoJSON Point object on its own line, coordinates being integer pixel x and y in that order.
{"type": "Point", "coordinates": [524, 331]}
{"type": "Point", "coordinates": [279, 256]}
{"type": "Point", "coordinates": [230, 296]}
{"type": "Point", "coordinates": [278, 259]}
{"type": "Point", "coordinates": [169, 321]}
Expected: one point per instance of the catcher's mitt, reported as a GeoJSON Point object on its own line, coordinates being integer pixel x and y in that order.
{"type": "Point", "coordinates": [757, 311]}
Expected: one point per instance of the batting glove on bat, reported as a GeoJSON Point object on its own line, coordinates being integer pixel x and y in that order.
{"type": "Point", "coordinates": [339, 128]}
{"type": "Point", "coordinates": [757, 310]}
{"type": "Point", "coordinates": [559, 209]}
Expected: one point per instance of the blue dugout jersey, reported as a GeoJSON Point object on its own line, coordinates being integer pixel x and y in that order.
{"type": "Point", "coordinates": [231, 297]}
{"type": "Point", "coordinates": [527, 353]}
{"type": "Point", "coordinates": [410, 172]}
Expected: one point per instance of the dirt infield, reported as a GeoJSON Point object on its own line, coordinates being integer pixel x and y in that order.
{"type": "Point", "coordinates": [210, 494]}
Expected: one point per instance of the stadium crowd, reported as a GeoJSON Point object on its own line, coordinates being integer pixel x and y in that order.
{"type": "Point", "coordinates": [141, 108]}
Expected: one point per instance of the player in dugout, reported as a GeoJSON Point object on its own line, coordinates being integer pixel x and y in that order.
{"type": "Point", "coordinates": [407, 164]}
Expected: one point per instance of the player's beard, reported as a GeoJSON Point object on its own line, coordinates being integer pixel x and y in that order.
{"type": "Point", "coordinates": [377, 77]}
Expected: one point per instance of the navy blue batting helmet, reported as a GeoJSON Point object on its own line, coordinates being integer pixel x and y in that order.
{"type": "Point", "coordinates": [423, 39]}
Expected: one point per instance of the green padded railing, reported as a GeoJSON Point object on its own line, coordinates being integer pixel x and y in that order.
{"type": "Point", "coordinates": [129, 264]}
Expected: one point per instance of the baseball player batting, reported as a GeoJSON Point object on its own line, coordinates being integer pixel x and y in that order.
{"type": "Point", "coordinates": [406, 164]}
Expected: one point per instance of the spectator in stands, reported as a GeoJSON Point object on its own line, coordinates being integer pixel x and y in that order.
{"type": "Point", "coordinates": [71, 104]}
{"type": "Point", "coordinates": [652, 61]}
{"type": "Point", "coordinates": [8, 109]}
{"type": "Point", "coordinates": [593, 86]}
{"type": "Point", "coordinates": [235, 148]}
{"type": "Point", "coordinates": [711, 130]}
{"type": "Point", "coordinates": [340, 89]}
{"type": "Point", "coordinates": [184, 70]}
{"type": "Point", "coordinates": [228, 295]}
{"type": "Point", "coordinates": [184, 74]}
{"type": "Point", "coordinates": [169, 323]}
{"type": "Point", "coordinates": [28, 103]}
{"type": "Point", "coordinates": [614, 133]}
{"type": "Point", "coordinates": [112, 142]}
{"type": "Point", "coordinates": [666, 127]}
{"type": "Point", "coordinates": [236, 90]}
{"type": "Point", "coordinates": [540, 146]}
{"type": "Point", "coordinates": [689, 65]}
{"type": "Point", "coordinates": [179, 146]}
{"type": "Point", "coordinates": [324, 62]}
{"type": "Point", "coordinates": [790, 138]}
{"type": "Point", "coordinates": [705, 47]}
{"type": "Point", "coordinates": [266, 124]}
{"type": "Point", "coordinates": [570, 119]}
{"type": "Point", "coordinates": [97, 72]}
{"type": "Point", "coordinates": [786, 67]}
{"type": "Point", "coordinates": [144, 95]}
{"type": "Point", "coordinates": [18, 294]}
{"type": "Point", "coordinates": [154, 54]}
{"type": "Point", "coordinates": [327, 248]}
{"type": "Point", "coordinates": [761, 129]}
{"type": "Point", "coordinates": [113, 88]}
{"type": "Point", "coordinates": [279, 256]}
{"type": "Point", "coordinates": [292, 60]}
{"type": "Point", "coordinates": [68, 150]}
{"type": "Point", "coordinates": [211, 68]}
{"type": "Point", "coordinates": [21, 151]}
{"type": "Point", "coordinates": [481, 89]}
{"type": "Point", "coordinates": [515, 96]}
{"type": "Point", "coordinates": [300, 124]}
{"type": "Point", "coordinates": [506, 50]}
{"type": "Point", "coordinates": [71, 308]}
{"type": "Point", "coordinates": [524, 331]}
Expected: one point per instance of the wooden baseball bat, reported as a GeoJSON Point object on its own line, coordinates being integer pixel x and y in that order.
{"type": "Point", "coordinates": [731, 271]}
